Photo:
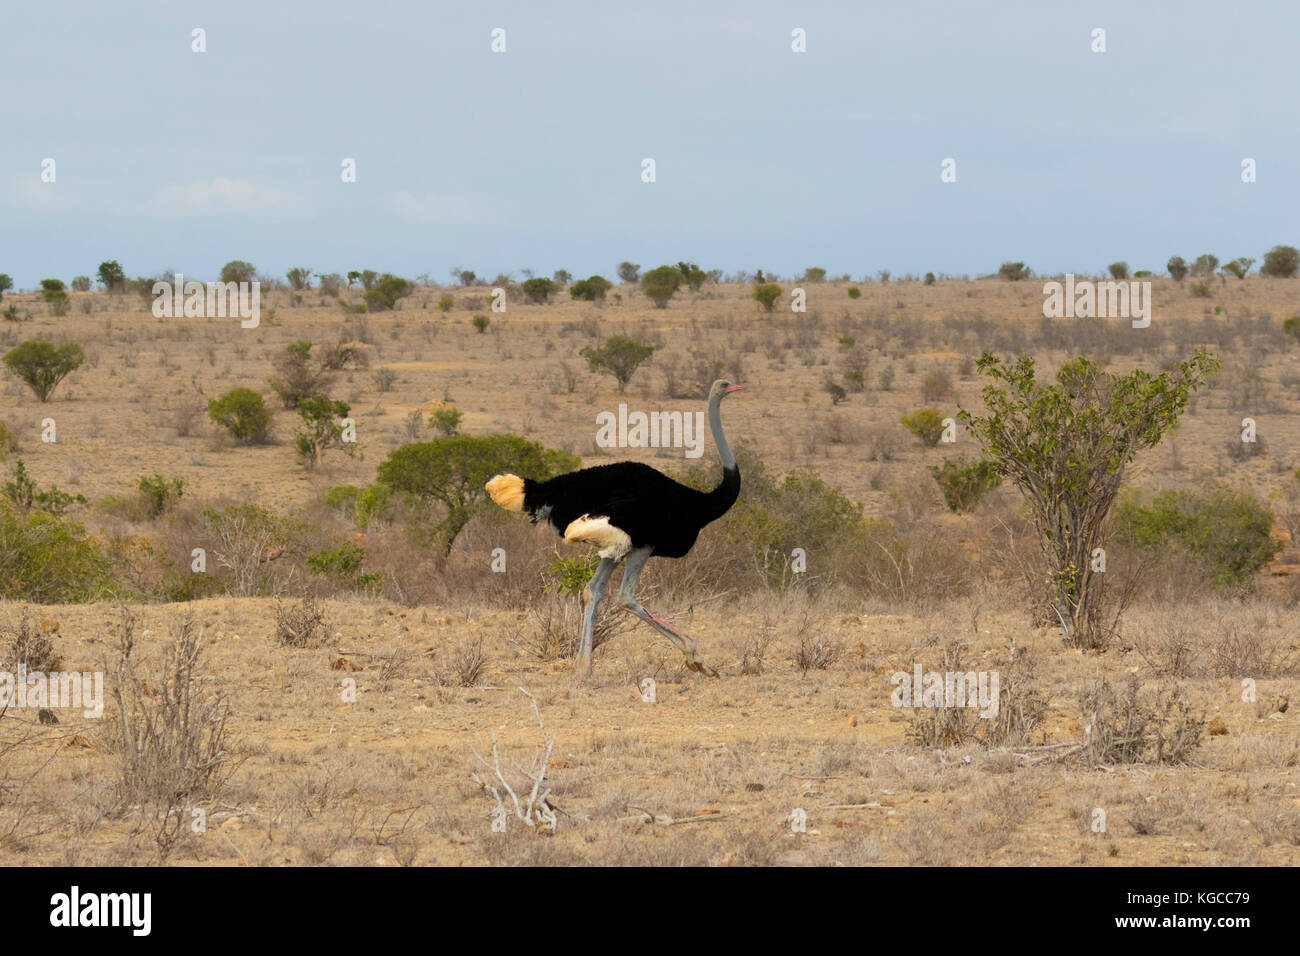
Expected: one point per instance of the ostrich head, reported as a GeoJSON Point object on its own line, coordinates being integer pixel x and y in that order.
{"type": "Point", "coordinates": [720, 389]}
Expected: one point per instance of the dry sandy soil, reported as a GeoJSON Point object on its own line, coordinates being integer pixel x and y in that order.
{"type": "Point", "coordinates": [711, 771]}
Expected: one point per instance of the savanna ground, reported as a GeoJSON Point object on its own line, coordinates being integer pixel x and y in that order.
{"type": "Point", "coordinates": [712, 770]}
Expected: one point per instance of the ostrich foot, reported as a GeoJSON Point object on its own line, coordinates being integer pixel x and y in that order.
{"type": "Point", "coordinates": [684, 644]}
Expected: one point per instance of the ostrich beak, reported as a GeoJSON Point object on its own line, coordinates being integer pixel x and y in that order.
{"type": "Point", "coordinates": [734, 388]}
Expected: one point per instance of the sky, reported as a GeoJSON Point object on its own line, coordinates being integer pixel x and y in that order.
{"type": "Point", "coordinates": [167, 159]}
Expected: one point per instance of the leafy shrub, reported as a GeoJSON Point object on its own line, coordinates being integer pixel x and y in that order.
{"type": "Point", "coordinates": [160, 494]}
{"type": "Point", "coordinates": [446, 421]}
{"type": "Point", "coordinates": [1118, 270]}
{"type": "Point", "coordinates": [49, 560]}
{"type": "Point", "coordinates": [298, 375]}
{"type": "Point", "coordinates": [42, 366]}
{"type": "Point", "coordinates": [766, 294]}
{"type": "Point", "coordinates": [619, 355]}
{"type": "Point", "coordinates": [320, 429]}
{"type": "Point", "coordinates": [814, 274]}
{"type": "Point", "coordinates": [963, 483]}
{"type": "Point", "coordinates": [452, 472]}
{"type": "Point", "coordinates": [1230, 529]}
{"type": "Point", "coordinates": [445, 302]}
{"type": "Point", "coordinates": [481, 323]}
{"type": "Point", "coordinates": [855, 292]}
{"type": "Point", "coordinates": [111, 275]}
{"type": "Point", "coordinates": [243, 413]}
{"type": "Point", "coordinates": [926, 424]}
{"type": "Point", "coordinates": [342, 565]}
{"type": "Point", "coordinates": [55, 293]}
{"type": "Point", "coordinates": [1177, 267]}
{"type": "Point", "coordinates": [591, 289]}
{"type": "Point", "coordinates": [1014, 271]}
{"type": "Point", "coordinates": [660, 284]}
{"type": "Point", "coordinates": [386, 292]}
{"type": "Point", "coordinates": [628, 271]}
{"type": "Point", "coordinates": [237, 270]}
{"type": "Point", "coordinates": [538, 290]}
{"type": "Point", "coordinates": [1281, 262]}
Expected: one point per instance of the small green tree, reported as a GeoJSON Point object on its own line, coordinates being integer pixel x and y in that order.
{"type": "Point", "coordinates": [452, 472]}
{"type": "Point", "coordinates": [299, 278]}
{"type": "Point", "coordinates": [55, 293]}
{"type": "Point", "coordinates": [111, 276]}
{"type": "Point", "coordinates": [384, 293]}
{"type": "Point", "coordinates": [926, 424]}
{"type": "Point", "coordinates": [562, 277]}
{"type": "Point", "coordinates": [1118, 270]}
{"type": "Point", "coordinates": [298, 375]}
{"type": "Point", "coordinates": [42, 365]}
{"type": "Point", "coordinates": [80, 283]}
{"type": "Point", "coordinates": [6, 283]}
{"type": "Point", "coordinates": [658, 285]}
{"type": "Point", "coordinates": [766, 294]}
{"type": "Point", "coordinates": [1205, 265]}
{"type": "Point", "coordinates": [446, 421]}
{"type": "Point", "coordinates": [538, 290]}
{"type": "Point", "coordinates": [1281, 262]}
{"type": "Point", "coordinates": [481, 323]}
{"type": "Point", "coordinates": [1014, 271]}
{"type": "Point", "coordinates": [160, 494]}
{"type": "Point", "coordinates": [467, 277]}
{"type": "Point", "coordinates": [620, 356]}
{"type": "Point", "coordinates": [321, 430]}
{"type": "Point", "coordinates": [237, 270]}
{"type": "Point", "coordinates": [692, 275]}
{"type": "Point", "coordinates": [591, 289]}
{"type": "Point", "coordinates": [243, 413]}
{"type": "Point", "coordinates": [814, 274]}
{"type": "Point", "coordinates": [1239, 267]}
{"type": "Point", "coordinates": [445, 302]}
{"type": "Point", "coordinates": [628, 271]}
{"type": "Point", "coordinates": [1177, 267]}
{"type": "Point", "coordinates": [1066, 446]}
{"type": "Point", "coordinates": [964, 482]}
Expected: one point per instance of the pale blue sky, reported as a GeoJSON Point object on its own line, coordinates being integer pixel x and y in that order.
{"type": "Point", "coordinates": [1066, 159]}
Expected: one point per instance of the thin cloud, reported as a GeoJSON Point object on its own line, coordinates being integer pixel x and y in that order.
{"type": "Point", "coordinates": [224, 196]}
{"type": "Point", "coordinates": [442, 209]}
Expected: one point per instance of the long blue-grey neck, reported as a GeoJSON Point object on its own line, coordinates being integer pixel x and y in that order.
{"type": "Point", "coordinates": [715, 426]}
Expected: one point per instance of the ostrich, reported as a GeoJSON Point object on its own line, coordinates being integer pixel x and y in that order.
{"type": "Point", "coordinates": [628, 510]}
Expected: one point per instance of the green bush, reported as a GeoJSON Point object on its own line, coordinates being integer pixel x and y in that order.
{"type": "Point", "coordinates": [1230, 529]}
{"type": "Point", "coordinates": [321, 429]}
{"type": "Point", "coordinates": [237, 270]}
{"type": "Point", "coordinates": [342, 565]}
{"type": "Point", "coordinates": [481, 323]}
{"type": "Point", "coordinates": [160, 494]}
{"type": "Point", "coordinates": [658, 285]}
{"type": "Point", "coordinates": [591, 289]}
{"type": "Point", "coordinates": [538, 290]}
{"type": "Point", "coordinates": [446, 421]}
{"type": "Point", "coordinates": [766, 294]}
{"type": "Point", "coordinates": [452, 472]}
{"type": "Point", "coordinates": [964, 483]}
{"type": "Point", "coordinates": [111, 276]}
{"type": "Point", "coordinates": [49, 560]}
{"type": "Point", "coordinates": [243, 413]}
{"type": "Point", "coordinates": [8, 443]}
{"type": "Point", "coordinates": [43, 365]}
{"type": "Point", "coordinates": [1281, 262]}
{"type": "Point", "coordinates": [445, 302]}
{"type": "Point", "coordinates": [926, 424]}
{"type": "Point", "coordinates": [386, 292]}
{"type": "Point", "coordinates": [619, 355]}
{"type": "Point", "coordinates": [1177, 267]}
{"type": "Point", "coordinates": [1014, 271]}
{"type": "Point", "coordinates": [855, 292]}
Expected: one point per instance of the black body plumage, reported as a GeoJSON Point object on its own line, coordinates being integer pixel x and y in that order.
{"type": "Point", "coordinates": [652, 508]}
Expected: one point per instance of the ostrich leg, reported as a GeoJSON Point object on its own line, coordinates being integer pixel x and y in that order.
{"type": "Point", "coordinates": [627, 598]}
{"type": "Point", "coordinates": [591, 596]}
